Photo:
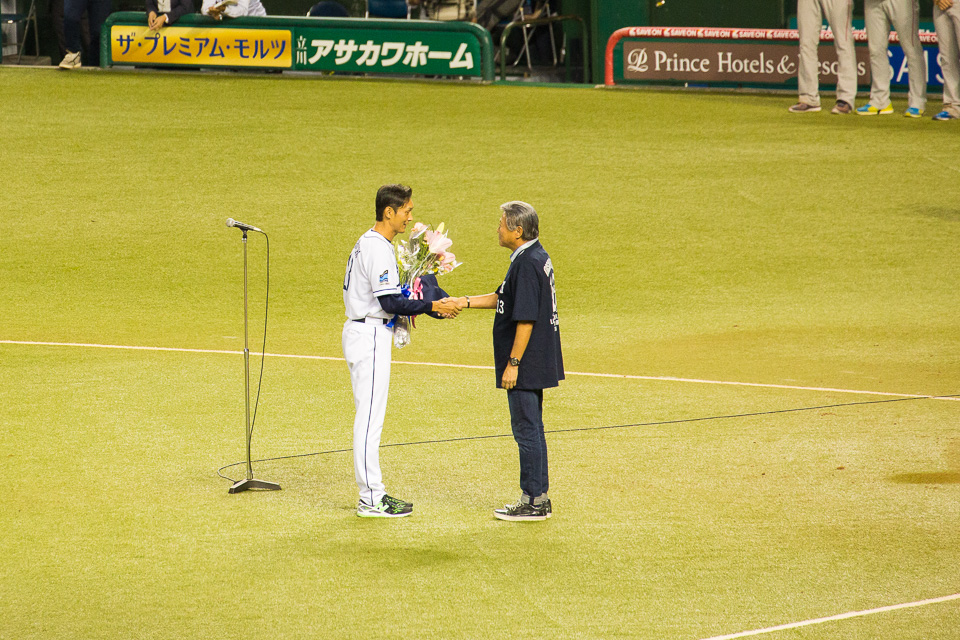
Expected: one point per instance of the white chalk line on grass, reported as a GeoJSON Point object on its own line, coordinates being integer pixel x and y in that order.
{"type": "Point", "coordinates": [622, 376]}
{"type": "Point", "coordinates": [842, 616]}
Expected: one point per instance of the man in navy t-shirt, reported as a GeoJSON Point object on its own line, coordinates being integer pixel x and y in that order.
{"type": "Point", "coordinates": [526, 351]}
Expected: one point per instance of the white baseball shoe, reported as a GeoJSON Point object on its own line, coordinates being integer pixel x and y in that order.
{"type": "Point", "coordinates": [71, 61]}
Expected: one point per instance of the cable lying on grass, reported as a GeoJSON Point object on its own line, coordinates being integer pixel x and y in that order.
{"type": "Point", "coordinates": [600, 428]}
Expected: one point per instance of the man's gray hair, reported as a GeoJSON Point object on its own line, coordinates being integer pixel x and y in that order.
{"type": "Point", "coordinates": [520, 214]}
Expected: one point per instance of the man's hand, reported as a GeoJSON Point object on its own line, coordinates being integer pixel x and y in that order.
{"type": "Point", "coordinates": [448, 307]}
{"type": "Point", "coordinates": [156, 22]}
{"type": "Point", "coordinates": [216, 12]}
{"type": "Point", "coordinates": [509, 380]}
{"type": "Point", "coordinates": [943, 5]}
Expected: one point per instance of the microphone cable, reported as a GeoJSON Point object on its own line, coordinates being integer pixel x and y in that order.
{"type": "Point", "coordinates": [263, 349]}
{"type": "Point", "coordinates": [599, 428]}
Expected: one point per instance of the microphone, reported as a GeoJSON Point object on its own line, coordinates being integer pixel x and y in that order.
{"type": "Point", "coordinates": [239, 225]}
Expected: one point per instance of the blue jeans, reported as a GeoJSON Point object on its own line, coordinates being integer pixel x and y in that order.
{"type": "Point", "coordinates": [97, 12]}
{"type": "Point", "coordinates": [526, 418]}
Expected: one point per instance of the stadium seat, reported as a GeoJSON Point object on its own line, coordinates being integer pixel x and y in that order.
{"type": "Point", "coordinates": [29, 17]}
{"type": "Point", "coordinates": [387, 9]}
{"type": "Point", "coordinates": [530, 10]}
{"type": "Point", "coordinates": [328, 9]}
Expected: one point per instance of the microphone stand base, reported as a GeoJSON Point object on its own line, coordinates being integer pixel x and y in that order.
{"type": "Point", "coordinates": [246, 485]}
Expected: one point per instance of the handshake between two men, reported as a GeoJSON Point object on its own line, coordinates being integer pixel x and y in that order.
{"type": "Point", "coordinates": [376, 280]}
{"type": "Point", "coordinates": [451, 307]}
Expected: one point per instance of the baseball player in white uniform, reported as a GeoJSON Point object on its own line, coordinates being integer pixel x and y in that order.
{"type": "Point", "coordinates": [904, 15]}
{"type": "Point", "coordinates": [371, 297]}
{"type": "Point", "coordinates": [839, 14]}
{"type": "Point", "coordinates": [946, 18]}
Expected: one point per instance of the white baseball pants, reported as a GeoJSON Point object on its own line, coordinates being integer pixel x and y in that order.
{"type": "Point", "coordinates": [948, 35]}
{"type": "Point", "coordinates": [904, 15]}
{"type": "Point", "coordinates": [368, 351]}
{"type": "Point", "coordinates": [839, 14]}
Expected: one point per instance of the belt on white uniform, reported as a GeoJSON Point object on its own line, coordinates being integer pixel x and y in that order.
{"type": "Point", "coordinates": [369, 320]}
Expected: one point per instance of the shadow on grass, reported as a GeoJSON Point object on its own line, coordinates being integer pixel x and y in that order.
{"type": "Point", "coordinates": [950, 214]}
{"type": "Point", "coordinates": [936, 477]}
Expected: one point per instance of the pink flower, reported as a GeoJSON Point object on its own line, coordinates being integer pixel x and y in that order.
{"type": "Point", "coordinates": [447, 258]}
{"type": "Point", "coordinates": [418, 228]}
{"type": "Point", "coordinates": [438, 243]}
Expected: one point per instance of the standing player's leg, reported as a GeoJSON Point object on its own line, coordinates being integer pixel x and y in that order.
{"type": "Point", "coordinates": [905, 16]}
{"type": "Point", "coordinates": [840, 16]}
{"type": "Point", "coordinates": [809, 21]}
{"type": "Point", "coordinates": [367, 349]}
{"type": "Point", "coordinates": [878, 35]}
{"type": "Point", "coordinates": [948, 36]}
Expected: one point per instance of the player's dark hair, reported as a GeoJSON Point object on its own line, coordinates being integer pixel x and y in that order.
{"type": "Point", "coordinates": [393, 196]}
{"type": "Point", "coordinates": [520, 214]}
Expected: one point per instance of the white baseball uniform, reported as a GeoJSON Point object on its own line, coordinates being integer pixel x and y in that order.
{"type": "Point", "coordinates": [904, 15]}
{"type": "Point", "coordinates": [839, 14]}
{"type": "Point", "coordinates": [367, 347]}
{"type": "Point", "coordinates": [947, 23]}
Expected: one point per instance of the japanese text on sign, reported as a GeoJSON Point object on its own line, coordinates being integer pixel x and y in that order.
{"type": "Point", "coordinates": [380, 54]}
{"type": "Point", "coordinates": [199, 46]}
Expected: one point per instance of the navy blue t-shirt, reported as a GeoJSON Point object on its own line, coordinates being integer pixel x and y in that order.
{"type": "Point", "coordinates": [528, 294]}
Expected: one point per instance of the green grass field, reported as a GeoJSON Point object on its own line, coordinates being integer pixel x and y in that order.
{"type": "Point", "coordinates": [697, 236]}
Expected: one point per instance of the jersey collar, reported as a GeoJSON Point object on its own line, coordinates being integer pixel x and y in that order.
{"type": "Point", "coordinates": [376, 234]}
{"type": "Point", "coordinates": [521, 249]}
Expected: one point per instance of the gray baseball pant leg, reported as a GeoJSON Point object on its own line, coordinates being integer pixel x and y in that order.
{"type": "Point", "coordinates": [878, 33]}
{"type": "Point", "coordinates": [839, 15]}
{"type": "Point", "coordinates": [948, 34]}
{"type": "Point", "coordinates": [904, 16]}
{"type": "Point", "coordinates": [809, 20]}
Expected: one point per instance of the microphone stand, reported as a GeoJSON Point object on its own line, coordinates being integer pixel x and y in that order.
{"type": "Point", "coordinates": [249, 482]}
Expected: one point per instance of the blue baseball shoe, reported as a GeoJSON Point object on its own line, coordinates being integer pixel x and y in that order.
{"type": "Point", "coordinates": [945, 115]}
{"type": "Point", "coordinates": [913, 112]}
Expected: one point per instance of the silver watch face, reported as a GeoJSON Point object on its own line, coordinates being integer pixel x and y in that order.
{"type": "Point", "coordinates": [514, 362]}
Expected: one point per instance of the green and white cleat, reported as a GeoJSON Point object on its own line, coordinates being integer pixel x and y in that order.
{"type": "Point", "coordinates": [387, 508]}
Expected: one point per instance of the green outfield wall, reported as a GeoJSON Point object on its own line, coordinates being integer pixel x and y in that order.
{"type": "Point", "coordinates": [343, 45]}
{"type": "Point", "coordinates": [602, 18]}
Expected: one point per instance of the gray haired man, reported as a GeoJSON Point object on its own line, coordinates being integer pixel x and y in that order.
{"type": "Point", "coordinates": [526, 351]}
{"type": "Point", "coordinates": [839, 14]}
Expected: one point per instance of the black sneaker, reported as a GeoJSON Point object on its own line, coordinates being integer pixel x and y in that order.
{"type": "Point", "coordinates": [522, 511]}
{"type": "Point", "coordinates": [547, 507]}
{"type": "Point", "coordinates": [387, 508]}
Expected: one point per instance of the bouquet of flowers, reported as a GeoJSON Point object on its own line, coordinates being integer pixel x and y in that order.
{"type": "Point", "coordinates": [420, 259]}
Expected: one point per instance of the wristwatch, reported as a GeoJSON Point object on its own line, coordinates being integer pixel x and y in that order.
{"type": "Point", "coordinates": [515, 362]}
